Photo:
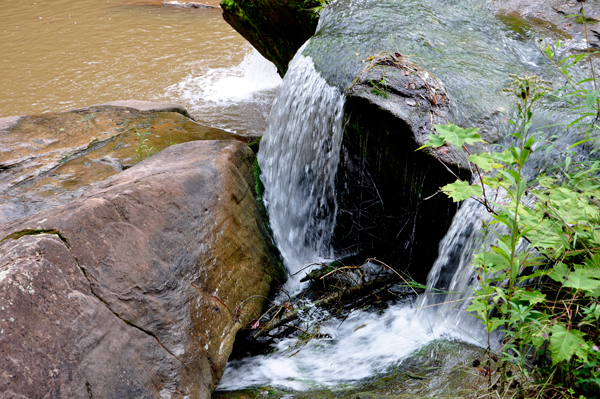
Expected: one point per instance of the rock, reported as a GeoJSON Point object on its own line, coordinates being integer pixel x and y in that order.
{"type": "Point", "coordinates": [413, 95]}
{"type": "Point", "coordinates": [148, 106]}
{"type": "Point", "coordinates": [137, 288]}
{"type": "Point", "coordinates": [47, 160]}
{"type": "Point", "coordinates": [404, 66]}
{"type": "Point", "coordinates": [187, 4]}
{"type": "Point", "coordinates": [558, 19]}
{"type": "Point", "coordinates": [275, 28]}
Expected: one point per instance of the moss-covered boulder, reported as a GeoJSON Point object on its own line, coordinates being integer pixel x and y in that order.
{"type": "Point", "coordinates": [276, 28]}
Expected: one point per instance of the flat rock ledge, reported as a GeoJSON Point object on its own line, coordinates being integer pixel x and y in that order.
{"type": "Point", "coordinates": [137, 288]}
{"type": "Point", "coordinates": [49, 159]}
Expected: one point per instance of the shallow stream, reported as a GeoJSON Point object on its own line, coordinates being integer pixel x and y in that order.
{"type": "Point", "coordinates": [59, 54]}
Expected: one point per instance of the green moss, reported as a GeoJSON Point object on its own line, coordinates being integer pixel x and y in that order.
{"type": "Point", "coordinates": [530, 26]}
{"type": "Point", "coordinates": [379, 92]}
{"type": "Point", "coordinates": [255, 145]}
{"type": "Point", "coordinates": [259, 190]}
{"type": "Point", "coordinates": [32, 232]}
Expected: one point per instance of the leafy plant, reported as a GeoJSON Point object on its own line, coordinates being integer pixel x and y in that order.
{"type": "Point", "coordinates": [540, 274]}
{"type": "Point", "coordinates": [145, 149]}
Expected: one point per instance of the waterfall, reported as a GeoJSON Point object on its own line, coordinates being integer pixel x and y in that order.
{"type": "Point", "coordinates": [451, 277]}
{"type": "Point", "coordinates": [298, 158]}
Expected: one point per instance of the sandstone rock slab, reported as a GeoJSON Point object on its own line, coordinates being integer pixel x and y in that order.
{"type": "Point", "coordinates": [47, 160]}
{"type": "Point", "coordinates": [137, 288]}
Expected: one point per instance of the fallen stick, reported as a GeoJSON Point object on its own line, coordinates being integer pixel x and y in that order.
{"type": "Point", "coordinates": [354, 290]}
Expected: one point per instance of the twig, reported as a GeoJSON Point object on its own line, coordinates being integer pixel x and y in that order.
{"type": "Point", "coordinates": [399, 275]}
{"type": "Point", "coordinates": [305, 343]}
{"type": "Point", "coordinates": [354, 290]}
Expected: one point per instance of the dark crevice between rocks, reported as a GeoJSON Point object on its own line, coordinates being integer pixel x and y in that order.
{"type": "Point", "coordinates": [385, 193]}
{"type": "Point", "coordinates": [89, 389]}
{"type": "Point", "coordinates": [26, 232]}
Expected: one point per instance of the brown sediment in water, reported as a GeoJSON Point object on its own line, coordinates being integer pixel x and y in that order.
{"type": "Point", "coordinates": [67, 54]}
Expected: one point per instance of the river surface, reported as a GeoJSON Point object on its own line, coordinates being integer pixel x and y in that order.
{"type": "Point", "coordinates": [61, 54]}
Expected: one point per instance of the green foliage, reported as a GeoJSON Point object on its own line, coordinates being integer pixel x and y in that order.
{"type": "Point", "coordinates": [566, 343]}
{"type": "Point", "coordinates": [461, 190]}
{"type": "Point", "coordinates": [544, 299]}
{"type": "Point", "coordinates": [454, 135]}
{"type": "Point", "coordinates": [380, 88]}
{"type": "Point", "coordinates": [145, 149]}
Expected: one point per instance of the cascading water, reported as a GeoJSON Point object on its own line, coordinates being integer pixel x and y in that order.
{"type": "Point", "coordinates": [299, 158]}
{"type": "Point", "coordinates": [473, 53]}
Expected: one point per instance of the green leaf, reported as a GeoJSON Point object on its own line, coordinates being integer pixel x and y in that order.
{"type": "Point", "coordinates": [435, 140]}
{"type": "Point", "coordinates": [564, 344]}
{"type": "Point", "coordinates": [582, 279]}
{"type": "Point", "coordinates": [461, 190]}
{"type": "Point", "coordinates": [532, 297]}
{"type": "Point", "coordinates": [492, 182]}
{"type": "Point", "coordinates": [456, 135]}
{"type": "Point", "coordinates": [559, 273]}
{"type": "Point", "coordinates": [505, 156]}
{"type": "Point", "coordinates": [484, 160]}
{"type": "Point", "coordinates": [591, 99]}
{"type": "Point", "coordinates": [547, 181]}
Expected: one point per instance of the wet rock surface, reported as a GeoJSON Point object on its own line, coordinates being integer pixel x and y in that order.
{"type": "Point", "coordinates": [137, 288]}
{"type": "Point", "coordinates": [567, 19]}
{"type": "Point", "coordinates": [47, 160]}
{"type": "Point", "coordinates": [275, 28]}
{"type": "Point", "coordinates": [441, 369]}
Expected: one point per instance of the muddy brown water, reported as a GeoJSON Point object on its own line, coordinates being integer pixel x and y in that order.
{"type": "Point", "coordinates": [62, 54]}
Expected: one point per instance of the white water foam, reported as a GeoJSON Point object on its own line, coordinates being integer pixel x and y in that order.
{"type": "Point", "coordinates": [234, 98]}
{"type": "Point", "coordinates": [363, 345]}
{"type": "Point", "coordinates": [238, 83]}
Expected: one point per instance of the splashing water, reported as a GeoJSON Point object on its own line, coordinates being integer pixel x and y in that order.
{"type": "Point", "coordinates": [363, 345]}
{"type": "Point", "coordinates": [242, 93]}
{"type": "Point", "coordinates": [299, 157]}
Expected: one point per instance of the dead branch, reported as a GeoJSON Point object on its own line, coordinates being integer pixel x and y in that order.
{"type": "Point", "coordinates": [328, 300]}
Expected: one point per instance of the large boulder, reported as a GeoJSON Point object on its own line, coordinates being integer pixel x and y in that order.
{"type": "Point", "coordinates": [136, 288]}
